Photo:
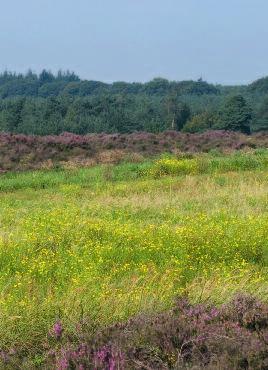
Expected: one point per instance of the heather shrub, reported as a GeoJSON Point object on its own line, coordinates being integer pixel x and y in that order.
{"type": "Point", "coordinates": [232, 336]}
{"type": "Point", "coordinates": [112, 148]}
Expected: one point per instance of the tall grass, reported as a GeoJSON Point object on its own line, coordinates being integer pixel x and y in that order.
{"type": "Point", "coordinates": [188, 164]}
{"type": "Point", "coordinates": [103, 244]}
{"type": "Point", "coordinates": [238, 161]}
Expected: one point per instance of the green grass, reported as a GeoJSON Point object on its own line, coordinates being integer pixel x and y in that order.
{"type": "Point", "coordinates": [107, 242]}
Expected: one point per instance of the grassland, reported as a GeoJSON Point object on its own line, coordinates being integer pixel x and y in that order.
{"type": "Point", "coordinates": [103, 244]}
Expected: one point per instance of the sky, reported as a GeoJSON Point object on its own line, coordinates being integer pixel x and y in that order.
{"type": "Point", "coordinates": [137, 40]}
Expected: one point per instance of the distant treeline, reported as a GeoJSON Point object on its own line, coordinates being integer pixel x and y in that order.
{"type": "Point", "coordinates": [51, 104]}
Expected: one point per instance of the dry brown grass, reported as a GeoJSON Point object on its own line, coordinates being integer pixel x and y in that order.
{"type": "Point", "coordinates": [232, 192]}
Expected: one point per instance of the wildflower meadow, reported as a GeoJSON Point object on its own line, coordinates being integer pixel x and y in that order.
{"type": "Point", "coordinates": [179, 242]}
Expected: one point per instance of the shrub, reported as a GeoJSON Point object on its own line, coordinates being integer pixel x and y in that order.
{"type": "Point", "coordinates": [233, 336]}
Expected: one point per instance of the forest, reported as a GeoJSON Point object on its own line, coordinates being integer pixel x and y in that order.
{"type": "Point", "coordinates": [50, 104]}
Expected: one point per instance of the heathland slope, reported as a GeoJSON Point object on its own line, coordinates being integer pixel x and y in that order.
{"type": "Point", "coordinates": [22, 152]}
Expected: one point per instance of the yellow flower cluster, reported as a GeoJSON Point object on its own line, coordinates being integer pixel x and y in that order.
{"type": "Point", "coordinates": [127, 247]}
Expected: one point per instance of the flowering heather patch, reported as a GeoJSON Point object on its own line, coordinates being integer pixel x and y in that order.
{"type": "Point", "coordinates": [57, 330]}
{"type": "Point", "coordinates": [22, 152]}
{"type": "Point", "coordinates": [232, 336]}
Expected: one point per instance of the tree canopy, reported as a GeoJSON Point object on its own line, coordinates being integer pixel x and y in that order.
{"type": "Point", "coordinates": [48, 103]}
{"type": "Point", "coordinates": [236, 114]}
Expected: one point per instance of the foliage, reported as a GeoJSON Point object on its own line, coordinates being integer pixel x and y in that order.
{"type": "Point", "coordinates": [47, 104]}
{"type": "Point", "coordinates": [261, 116]}
{"type": "Point", "coordinates": [201, 122]}
{"type": "Point", "coordinates": [177, 112]}
{"type": "Point", "coordinates": [236, 114]}
{"type": "Point", "coordinates": [31, 84]}
{"type": "Point", "coordinates": [259, 86]}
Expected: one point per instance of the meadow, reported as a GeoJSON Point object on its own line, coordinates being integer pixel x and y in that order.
{"type": "Point", "coordinates": [83, 249]}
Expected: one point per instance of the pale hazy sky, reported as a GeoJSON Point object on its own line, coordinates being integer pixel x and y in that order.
{"type": "Point", "coordinates": [136, 40]}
